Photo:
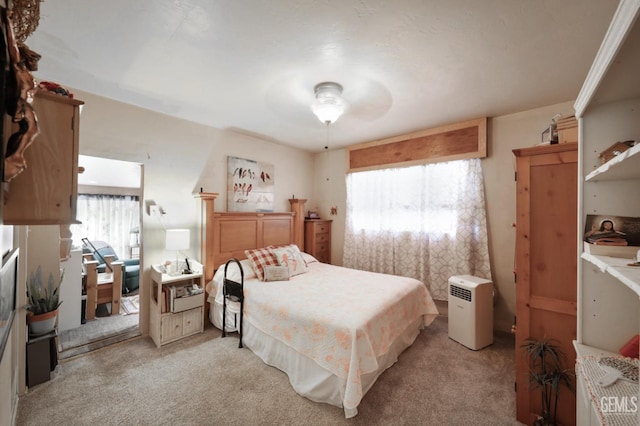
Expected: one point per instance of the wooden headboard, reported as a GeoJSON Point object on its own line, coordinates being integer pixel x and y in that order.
{"type": "Point", "coordinates": [225, 235]}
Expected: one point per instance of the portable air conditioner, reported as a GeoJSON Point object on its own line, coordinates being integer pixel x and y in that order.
{"type": "Point", "coordinates": [471, 311]}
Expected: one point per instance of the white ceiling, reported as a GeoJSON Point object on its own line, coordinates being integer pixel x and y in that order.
{"type": "Point", "coordinates": [251, 66]}
{"type": "Point", "coordinates": [106, 172]}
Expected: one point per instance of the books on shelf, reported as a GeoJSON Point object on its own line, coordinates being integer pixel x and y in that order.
{"type": "Point", "coordinates": [165, 300]}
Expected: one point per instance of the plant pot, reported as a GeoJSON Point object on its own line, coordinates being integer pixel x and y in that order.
{"type": "Point", "coordinates": [42, 323]}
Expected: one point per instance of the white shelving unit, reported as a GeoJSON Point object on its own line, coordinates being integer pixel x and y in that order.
{"type": "Point", "coordinates": [622, 167]}
{"type": "Point", "coordinates": [180, 317]}
{"type": "Point", "coordinates": [618, 268]}
{"type": "Point", "coordinates": [608, 111]}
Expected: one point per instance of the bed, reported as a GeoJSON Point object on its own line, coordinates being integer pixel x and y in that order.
{"type": "Point", "coordinates": [332, 330]}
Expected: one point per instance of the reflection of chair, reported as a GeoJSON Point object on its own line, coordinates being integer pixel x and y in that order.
{"type": "Point", "coordinates": [100, 250]}
{"type": "Point", "coordinates": [103, 287]}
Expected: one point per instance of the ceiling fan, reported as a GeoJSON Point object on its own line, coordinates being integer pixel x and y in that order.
{"type": "Point", "coordinates": [292, 98]}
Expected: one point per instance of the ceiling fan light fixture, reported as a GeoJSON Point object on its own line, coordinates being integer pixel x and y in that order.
{"type": "Point", "coordinates": [329, 104]}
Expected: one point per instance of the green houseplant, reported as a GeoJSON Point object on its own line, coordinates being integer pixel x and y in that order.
{"type": "Point", "coordinates": [546, 373]}
{"type": "Point", "coordinates": [42, 302]}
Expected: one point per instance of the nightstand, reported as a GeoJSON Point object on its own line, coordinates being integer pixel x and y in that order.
{"type": "Point", "coordinates": [317, 239]}
{"type": "Point", "coordinates": [177, 304]}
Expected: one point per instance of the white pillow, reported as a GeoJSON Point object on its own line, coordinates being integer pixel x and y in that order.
{"type": "Point", "coordinates": [308, 258]}
{"type": "Point", "coordinates": [234, 273]}
{"type": "Point", "coordinates": [276, 273]}
{"type": "Point", "coordinates": [290, 257]}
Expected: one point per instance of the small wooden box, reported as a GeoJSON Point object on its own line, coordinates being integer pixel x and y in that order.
{"type": "Point", "coordinates": [568, 135]}
{"type": "Point", "coordinates": [614, 150]}
{"type": "Point", "coordinates": [567, 130]}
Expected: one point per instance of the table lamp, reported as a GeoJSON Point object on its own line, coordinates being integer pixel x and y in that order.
{"type": "Point", "coordinates": [176, 239]}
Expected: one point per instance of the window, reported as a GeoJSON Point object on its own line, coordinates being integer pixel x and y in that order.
{"type": "Point", "coordinates": [109, 218]}
{"type": "Point", "coordinates": [412, 199]}
{"type": "Point", "coordinates": [426, 222]}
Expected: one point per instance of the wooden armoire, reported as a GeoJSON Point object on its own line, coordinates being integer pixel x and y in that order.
{"type": "Point", "coordinates": [545, 265]}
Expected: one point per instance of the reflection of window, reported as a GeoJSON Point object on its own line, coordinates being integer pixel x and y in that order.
{"type": "Point", "coordinates": [108, 218]}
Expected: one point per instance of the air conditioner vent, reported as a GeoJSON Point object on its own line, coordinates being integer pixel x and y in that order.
{"type": "Point", "coordinates": [460, 293]}
{"type": "Point", "coordinates": [470, 311]}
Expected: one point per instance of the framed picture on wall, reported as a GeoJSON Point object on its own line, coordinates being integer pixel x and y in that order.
{"type": "Point", "coordinates": [250, 185]}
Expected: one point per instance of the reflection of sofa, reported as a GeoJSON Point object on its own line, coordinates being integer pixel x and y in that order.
{"type": "Point", "coordinates": [131, 266]}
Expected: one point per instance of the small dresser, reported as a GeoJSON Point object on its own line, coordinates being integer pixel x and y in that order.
{"type": "Point", "coordinates": [317, 239]}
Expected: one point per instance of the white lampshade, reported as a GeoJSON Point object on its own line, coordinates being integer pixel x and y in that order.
{"type": "Point", "coordinates": [329, 105]}
{"type": "Point", "coordinates": [177, 239]}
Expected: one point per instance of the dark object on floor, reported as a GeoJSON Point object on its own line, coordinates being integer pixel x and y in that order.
{"type": "Point", "coordinates": [42, 358]}
{"type": "Point", "coordinates": [100, 249]}
{"type": "Point", "coordinates": [232, 291]}
{"type": "Point", "coordinates": [83, 313]}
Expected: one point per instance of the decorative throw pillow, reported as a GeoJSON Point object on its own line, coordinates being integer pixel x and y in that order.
{"type": "Point", "coordinates": [293, 247]}
{"type": "Point", "coordinates": [290, 257]}
{"type": "Point", "coordinates": [259, 258]}
{"type": "Point", "coordinates": [296, 248]}
{"type": "Point", "coordinates": [276, 273]}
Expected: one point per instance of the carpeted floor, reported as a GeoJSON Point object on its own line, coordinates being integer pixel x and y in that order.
{"type": "Point", "coordinates": [102, 331]}
{"type": "Point", "coordinates": [206, 380]}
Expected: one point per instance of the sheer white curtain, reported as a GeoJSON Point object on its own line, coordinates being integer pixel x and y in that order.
{"type": "Point", "coordinates": [108, 218]}
{"type": "Point", "coordinates": [427, 222]}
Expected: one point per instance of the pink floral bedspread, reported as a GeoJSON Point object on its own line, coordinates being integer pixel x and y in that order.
{"type": "Point", "coordinates": [343, 319]}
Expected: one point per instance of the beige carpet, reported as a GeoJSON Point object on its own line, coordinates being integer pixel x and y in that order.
{"type": "Point", "coordinates": [98, 333]}
{"type": "Point", "coordinates": [207, 380]}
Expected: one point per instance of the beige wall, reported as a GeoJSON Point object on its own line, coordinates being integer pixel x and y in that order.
{"type": "Point", "coordinates": [180, 158]}
{"type": "Point", "coordinates": [505, 133]}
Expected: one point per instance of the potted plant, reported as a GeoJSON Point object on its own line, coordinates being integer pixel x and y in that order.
{"type": "Point", "coordinates": [547, 374]}
{"type": "Point", "coordinates": [42, 302]}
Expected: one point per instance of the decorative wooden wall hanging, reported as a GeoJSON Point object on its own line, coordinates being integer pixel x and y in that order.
{"type": "Point", "coordinates": [446, 143]}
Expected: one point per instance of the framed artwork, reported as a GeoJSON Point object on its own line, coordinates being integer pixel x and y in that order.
{"type": "Point", "coordinates": [612, 230]}
{"type": "Point", "coordinates": [8, 284]}
{"type": "Point", "coordinates": [249, 185]}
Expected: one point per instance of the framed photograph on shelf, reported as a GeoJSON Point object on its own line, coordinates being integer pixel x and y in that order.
{"type": "Point", "coordinates": [616, 230]}
{"type": "Point", "coordinates": [614, 236]}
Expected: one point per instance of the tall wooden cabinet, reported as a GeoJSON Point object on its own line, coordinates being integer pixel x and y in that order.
{"type": "Point", "coordinates": [317, 239]}
{"type": "Point", "coordinates": [45, 193]}
{"type": "Point", "coordinates": [546, 262]}
{"type": "Point", "coordinates": [608, 111]}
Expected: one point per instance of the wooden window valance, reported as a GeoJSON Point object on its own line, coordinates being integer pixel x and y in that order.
{"type": "Point", "coordinates": [446, 143]}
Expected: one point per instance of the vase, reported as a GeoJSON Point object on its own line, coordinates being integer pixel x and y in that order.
{"type": "Point", "coordinates": [43, 323]}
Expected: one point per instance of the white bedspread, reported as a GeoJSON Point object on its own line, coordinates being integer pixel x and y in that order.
{"type": "Point", "coordinates": [343, 319]}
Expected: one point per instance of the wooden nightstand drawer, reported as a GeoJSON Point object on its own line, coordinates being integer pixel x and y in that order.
{"type": "Point", "coordinates": [324, 237]}
{"type": "Point", "coordinates": [323, 253]}
{"type": "Point", "coordinates": [322, 248]}
{"type": "Point", "coordinates": [323, 227]}
{"type": "Point", "coordinates": [317, 239]}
